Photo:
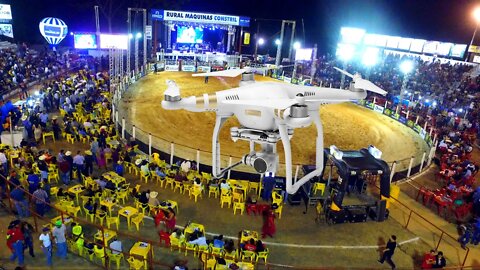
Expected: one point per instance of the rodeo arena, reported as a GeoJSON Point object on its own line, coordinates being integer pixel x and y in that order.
{"type": "Point", "coordinates": [157, 148]}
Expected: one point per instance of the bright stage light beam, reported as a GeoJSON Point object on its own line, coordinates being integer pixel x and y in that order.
{"type": "Point", "coordinates": [261, 41]}
{"type": "Point", "coordinates": [139, 35]}
{"type": "Point", "coordinates": [296, 45]}
{"type": "Point", "coordinates": [370, 56]}
{"type": "Point", "coordinates": [278, 42]}
{"type": "Point", "coordinates": [406, 66]}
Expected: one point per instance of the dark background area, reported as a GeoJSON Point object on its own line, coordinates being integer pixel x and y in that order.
{"type": "Point", "coordinates": [442, 20]}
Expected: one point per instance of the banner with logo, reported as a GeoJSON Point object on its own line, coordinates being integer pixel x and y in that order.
{"type": "Point", "coordinates": [6, 27]}
{"type": "Point", "coordinates": [6, 30]}
{"type": "Point", "coordinates": [203, 69]}
{"type": "Point", "coordinates": [188, 68]}
{"type": "Point", "coordinates": [5, 12]}
{"type": "Point", "coordinates": [171, 67]}
{"type": "Point", "coordinates": [378, 108]}
{"type": "Point", "coordinates": [148, 31]}
{"type": "Point", "coordinates": [287, 79]}
{"type": "Point", "coordinates": [198, 17]}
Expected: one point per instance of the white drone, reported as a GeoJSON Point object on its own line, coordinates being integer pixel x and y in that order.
{"type": "Point", "coordinates": [267, 112]}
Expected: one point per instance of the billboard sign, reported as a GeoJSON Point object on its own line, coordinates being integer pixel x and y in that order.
{"type": "Point", "coordinates": [458, 50]}
{"type": "Point", "coordinates": [417, 45]}
{"type": "Point", "coordinates": [444, 48]}
{"type": "Point", "coordinates": [5, 12]}
{"type": "Point", "coordinates": [85, 41]}
{"type": "Point", "coordinates": [148, 31]}
{"type": "Point", "coordinates": [108, 41]}
{"type": "Point", "coordinates": [303, 54]}
{"type": "Point", "coordinates": [430, 47]}
{"type": "Point", "coordinates": [198, 17]}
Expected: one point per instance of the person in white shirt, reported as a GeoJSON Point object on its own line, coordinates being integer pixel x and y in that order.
{"type": "Point", "coordinates": [4, 161]}
{"type": "Point", "coordinates": [46, 244]}
{"type": "Point", "coordinates": [116, 246]}
{"type": "Point", "coordinates": [225, 185]}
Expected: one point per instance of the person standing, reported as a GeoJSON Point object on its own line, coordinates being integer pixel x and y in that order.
{"type": "Point", "coordinates": [64, 171]}
{"type": "Point", "coordinates": [60, 239]}
{"type": "Point", "coordinates": [88, 162]}
{"type": "Point", "coordinates": [4, 161]}
{"type": "Point", "coordinates": [46, 244]}
{"type": "Point", "coordinates": [78, 161]}
{"type": "Point", "coordinates": [21, 203]}
{"type": "Point", "coordinates": [440, 261]}
{"type": "Point", "coordinates": [40, 197]}
{"type": "Point", "coordinates": [27, 230]}
{"type": "Point", "coordinates": [206, 79]}
{"type": "Point", "coordinates": [69, 159]}
{"type": "Point", "coordinates": [389, 251]}
{"type": "Point", "coordinates": [268, 227]}
{"type": "Point", "coordinates": [18, 252]}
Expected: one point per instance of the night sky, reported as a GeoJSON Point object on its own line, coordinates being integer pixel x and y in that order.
{"type": "Point", "coordinates": [441, 20]}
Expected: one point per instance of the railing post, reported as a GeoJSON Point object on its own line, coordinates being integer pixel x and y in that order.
{"type": "Point", "coordinates": [392, 171]}
{"type": "Point", "coordinates": [123, 128]}
{"type": "Point", "coordinates": [149, 144]}
{"type": "Point", "coordinates": [104, 246]}
{"type": "Point", "coordinates": [396, 110]}
{"type": "Point", "coordinates": [430, 133]}
{"type": "Point", "coordinates": [425, 126]}
{"type": "Point", "coordinates": [374, 100]}
{"type": "Point", "coordinates": [408, 220]}
{"type": "Point", "coordinates": [116, 118]}
{"type": "Point", "coordinates": [423, 160]}
{"type": "Point", "coordinates": [385, 105]}
{"type": "Point", "coordinates": [408, 112]}
{"type": "Point", "coordinates": [439, 240]}
{"type": "Point", "coordinates": [172, 150]}
{"type": "Point", "coordinates": [229, 164]}
{"type": "Point", "coordinates": [410, 167]}
{"type": "Point", "coordinates": [198, 160]}
{"type": "Point", "coordinates": [416, 120]}
{"type": "Point", "coordinates": [466, 256]}
{"type": "Point", "coordinates": [150, 255]}
{"type": "Point", "coordinates": [133, 132]}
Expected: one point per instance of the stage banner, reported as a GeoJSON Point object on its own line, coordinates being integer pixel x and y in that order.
{"type": "Point", "coordinates": [189, 68]}
{"type": "Point", "coordinates": [171, 67]}
{"type": "Point", "coordinates": [387, 112]}
{"type": "Point", "coordinates": [203, 69]}
{"type": "Point", "coordinates": [402, 120]}
{"type": "Point", "coordinates": [197, 17]}
{"type": "Point", "coordinates": [378, 108]}
{"type": "Point", "coordinates": [5, 13]}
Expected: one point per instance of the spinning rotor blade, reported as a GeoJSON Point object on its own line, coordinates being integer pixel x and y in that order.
{"type": "Point", "coordinates": [344, 72]}
{"type": "Point", "coordinates": [271, 104]}
{"type": "Point", "coordinates": [223, 73]}
{"type": "Point", "coordinates": [368, 86]}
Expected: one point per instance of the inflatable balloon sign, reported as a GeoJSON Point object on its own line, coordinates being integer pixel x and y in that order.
{"type": "Point", "coordinates": [53, 30]}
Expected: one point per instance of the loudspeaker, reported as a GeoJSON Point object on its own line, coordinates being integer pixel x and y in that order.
{"type": "Point", "coordinates": [381, 210]}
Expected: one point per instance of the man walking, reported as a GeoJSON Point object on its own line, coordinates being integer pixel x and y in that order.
{"type": "Point", "coordinates": [389, 251]}
{"type": "Point", "coordinates": [78, 161]}
{"type": "Point", "coordinates": [59, 235]}
{"type": "Point", "coordinates": [46, 245]}
{"type": "Point", "coordinates": [40, 197]}
{"type": "Point", "coordinates": [21, 203]}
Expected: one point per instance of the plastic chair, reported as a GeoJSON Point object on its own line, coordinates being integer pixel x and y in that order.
{"type": "Point", "coordinates": [144, 177]}
{"type": "Point", "coordinates": [70, 138]}
{"type": "Point", "coordinates": [178, 185]}
{"type": "Point", "coordinates": [277, 198]}
{"type": "Point", "coordinates": [53, 176]}
{"type": "Point", "coordinates": [225, 198]}
{"type": "Point", "coordinates": [137, 220]}
{"type": "Point", "coordinates": [73, 210]}
{"type": "Point", "coordinates": [237, 197]}
{"type": "Point", "coordinates": [278, 211]}
{"type": "Point", "coordinates": [216, 251]}
{"type": "Point", "coordinates": [89, 215]}
{"type": "Point", "coordinates": [263, 255]}
{"type": "Point", "coordinates": [187, 187]}
{"type": "Point", "coordinates": [99, 253]}
{"type": "Point", "coordinates": [101, 216]}
{"type": "Point", "coordinates": [211, 264]}
{"type": "Point", "coordinates": [174, 205]}
{"type": "Point", "coordinates": [134, 263]}
{"type": "Point", "coordinates": [164, 237]}
{"type": "Point", "coordinates": [230, 255]}
{"type": "Point", "coordinates": [117, 258]}
{"type": "Point", "coordinates": [319, 187]}
{"type": "Point", "coordinates": [169, 181]}
{"type": "Point", "coordinates": [195, 192]}
{"type": "Point", "coordinates": [248, 255]}
{"type": "Point", "coordinates": [202, 250]}
{"type": "Point", "coordinates": [122, 195]}
{"type": "Point", "coordinates": [238, 206]}
{"type": "Point", "coordinates": [213, 190]}
{"type": "Point", "coordinates": [113, 220]}
{"type": "Point", "coordinates": [145, 208]}
{"type": "Point", "coordinates": [175, 243]}
{"type": "Point", "coordinates": [255, 186]}
{"type": "Point", "coordinates": [159, 180]}
{"type": "Point", "coordinates": [192, 247]}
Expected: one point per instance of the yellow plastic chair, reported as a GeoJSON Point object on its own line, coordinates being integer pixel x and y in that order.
{"type": "Point", "coordinates": [144, 208]}
{"type": "Point", "coordinates": [211, 264]}
{"type": "Point", "coordinates": [175, 243]}
{"type": "Point", "coordinates": [213, 190]}
{"type": "Point", "coordinates": [237, 197]}
{"type": "Point", "coordinates": [48, 134]}
{"type": "Point", "coordinates": [144, 177]}
{"type": "Point", "coordinates": [278, 211]}
{"type": "Point", "coordinates": [248, 255]}
{"type": "Point", "coordinates": [70, 138]}
{"type": "Point", "coordinates": [206, 177]}
{"type": "Point", "coordinates": [277, 198]}
{"type": "Point", "coordinates": [187, 187]}
{"type": "Point", "coordinates": [134, 263]}
{"type": "Point", "coordinates": [116, 258]}
{"type": "Point", "coordinates": [101, 216]}
{"type": "Point", "coordinates": [195, 191]}
{"type": "Point", "coordinates": [192, 247]}
{"type": "Point", "coordinates": [99, 253]}
{"type": "Point", "coordinates": [232, 255]}
{"type": "Point", "coordinates": [73, 210]}
{"type": "Point", "coordinates": [122, 195]}
{"type": "Point", "coordinates": [88, 215]}
{"type": "Point", "coordinates": [137, 220]}
{"type": "Point", "coordinates": [238, 206]}
{"type": "Point", "coordinates": [226, 198]}
{"type": "Point", "coordinates": [254, 186]}
{"type": "Point", "coordinates": [216, 251]}
{"type": "Point", "coordinates": [169, 181]}
{"type": "Point", "coordinates": [53, 176]}
{"type": "Point", "coordinates": [263, 255]}
{"type": "Point", "coordinates": [159, 180]}
{"type": "Point", "coordinates": [113, 220]}
{"type": "Point", "coordinates": [319, 187]}
{"type": "Point", "coordinates": [178, 185]}
{"type": "Point", "coordinates": [174, 205]}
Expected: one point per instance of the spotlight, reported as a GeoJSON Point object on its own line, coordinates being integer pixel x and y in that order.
{"type": "Point", "coordinates": [296, 45]}
{"type": "Point", "coordinates": [139, 35]}
{"type": "Point", "coordinates": [278, 42]}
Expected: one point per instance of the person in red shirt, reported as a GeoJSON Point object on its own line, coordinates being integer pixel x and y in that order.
{"type": "Point", "coordinates": [250, 245]}
{"type": "Point", "coordinates": [14, 234]}
{"type": "Point", "coordinates": [428, 260]}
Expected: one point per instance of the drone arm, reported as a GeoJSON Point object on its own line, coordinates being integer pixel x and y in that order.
{"type": "Point", "coordinates": [219, 121]}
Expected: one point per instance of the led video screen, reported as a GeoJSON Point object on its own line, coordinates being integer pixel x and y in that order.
{"type": "Point", "coordinates": [444, 48]}
{"type": "Point", "coordinates": [189, 34]}
{"type": "Point", "coordinates": [303, 54]}
{"type": "Point", "coordinates": [417, 45]}
{"type": "Point", "coordinates": [458, 50]}
{"type": "Point", "coordinates": [430, 47]}
{"type": "Point", "coordinates": [85, 41]}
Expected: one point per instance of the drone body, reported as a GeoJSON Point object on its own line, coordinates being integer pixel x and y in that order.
{"type": "Point", "coordinates": [267, 112]}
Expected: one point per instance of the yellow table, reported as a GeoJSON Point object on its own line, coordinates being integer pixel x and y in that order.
{"type": "Point", "coordinates": [109, 235]}
{"type": "Point", "coordinates": [66, 220]}
{"type": "Point", "coordinates": [128, 212]}
{"type": "Point", "coordinates": [141, 249]}
{"type": "Point", "coordinates": [114, 177]}
{"type": "Point", "coordinates": [169, 204]}
{"type": "Point", "coordinates": [109, 204]}
{"type": "Point", "coordinates": [77, 189]}
{"type": "Point", "coordinates": [246, 235]}
{"type": "Point", "coordinates": [239, 185]}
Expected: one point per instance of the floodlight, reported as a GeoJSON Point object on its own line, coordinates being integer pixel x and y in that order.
{"type": "Point", "coordinates": [419, 97]}
{"type": "Point", "coordinates": [130, 36]}
{"type": "Point", "coordinates": [460, 110]}
{"type": "Point", "coordinates": [370, 56]}
{"type": "Point", "coordinates": [71, 33]}
{"type": "Point", "coordinates": [261, 41]}
{"type": "Point", "coordinates": [427, 100]}
{"type": "Point", "coordinates": [278, 42]}
{"type": "Point", "coordinates": [139, 35]}
{"type": "Point", "coordinates": [476, 14]}
{"type": "Point", "coordinates": [345, 51]}
{"type": "Point", "coordinates": [406, 66]}
{"type": "Point", "coordinates": [296, 45]}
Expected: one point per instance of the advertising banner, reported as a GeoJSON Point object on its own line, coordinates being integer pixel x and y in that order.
{"type": "Point", "coordinates": [203, 69]}
{"type": "Point", "coordinates": [422, 133]}
{"type": "Point", "coordinates": [6, 30]}
{"type": "Point", "coordinates": [5, 12]}
{"type": "Point", "coordinates": [148, 31]}
{"type": "Point", "coordinates": [189, 68]}
{"type": "Point", "coordinates": [171, 67]}
{"type": "Point", "coordinates": [369, 104]}
{"type": "Point", "coordinates": [287, 79]}
{"type": "Point", "coordinates": [108, 41]}
{"type": "Point", "coordinates": [378, 108]}
{"type": "Point", "coordinates": [198, 17]}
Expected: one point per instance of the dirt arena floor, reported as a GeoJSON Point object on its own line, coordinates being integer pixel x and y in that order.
{"type": "Point", "coordinates": [346, 125]}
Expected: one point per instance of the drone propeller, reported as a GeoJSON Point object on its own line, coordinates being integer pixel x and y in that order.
{"type": "Point", "coordinates": [235, 72]}
{"type": "Point", "coordinates": [281, 103]}
{"type": "Point", "coordinates": [361, 83]}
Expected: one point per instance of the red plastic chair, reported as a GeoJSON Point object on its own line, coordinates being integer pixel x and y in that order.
{"type": "Point", "coordinates": [165, 237]}
{"type": "Point", "coordinates": [421, 193]}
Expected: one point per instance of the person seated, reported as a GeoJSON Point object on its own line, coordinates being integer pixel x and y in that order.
{"type": "Point", "coordinates": [218, 241]}
{"type": "Point", "coordinates": [101, 182]}
{"type": "Point", "coordinates": [102, 212]}
{"type": "Point", "coordinates": [440, 261]}
{"type": "Point", "coordinates": [428, 260]}
{"type": "Point", "coordinates": [250, 245]}
{"type": "Point", "coordinates": [144, 196]}
{"type": "Point", "coordinates": [144, 168]}
{"type": "Point", "coordinates": [198, 184]}
{"type": "Point", "coordinates": [152, 200]}
{"type": "Point", "coordinates": [62, 194]}
{"type": "Point", "coordinates": [90, 206]}
{"type": "Point", "coordinates": [178, 234]}
{"type": "Point", "coordinates": [116, 246]}
{"type": "Point", "coordinates": [197, 238]}
{"type": "Point", "coordinates": [260, 247]}
{"type": "Point", "coordinates": [119, 169]}
{"type": "Point", "coordinates": [110, 185]}
{"type": "Point", "coordinates": [224, 185]}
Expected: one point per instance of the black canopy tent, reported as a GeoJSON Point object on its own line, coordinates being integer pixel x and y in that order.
{"type": "Point", "coordinates": [353, 163]}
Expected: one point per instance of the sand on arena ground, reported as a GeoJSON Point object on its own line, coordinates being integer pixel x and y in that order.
{"type": "Point", "coordinates": [346, 125]}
